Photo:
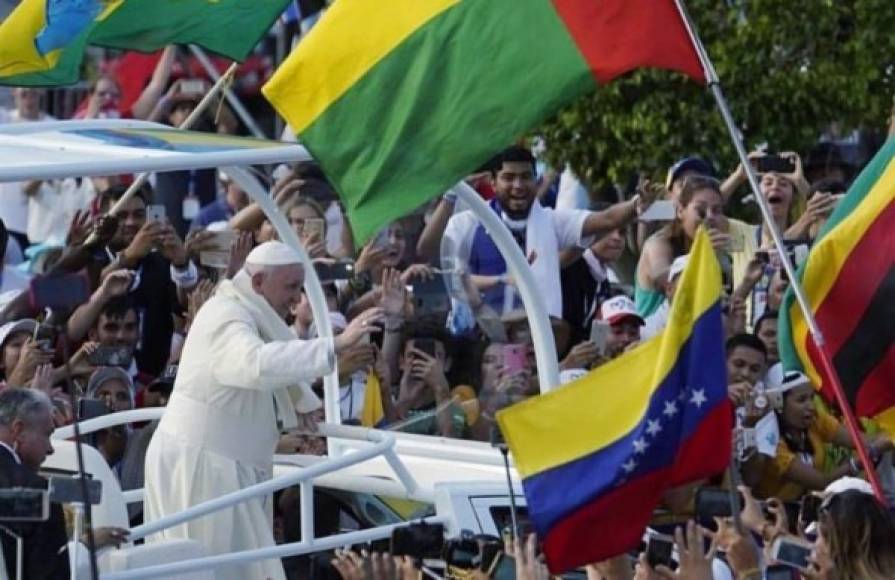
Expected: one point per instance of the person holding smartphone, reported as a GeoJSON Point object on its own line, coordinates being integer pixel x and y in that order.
{"type": "Point", "coordinates": [800, 463]}
{"type": "Point", "coordinates": [424, 403]}
{"type": "Point", "coordinates": [700, 203]}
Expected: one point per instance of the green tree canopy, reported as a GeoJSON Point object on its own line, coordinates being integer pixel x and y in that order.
{"type": "Point", "coordinates": [789, 68]}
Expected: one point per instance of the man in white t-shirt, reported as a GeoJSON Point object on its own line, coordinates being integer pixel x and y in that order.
{"type": "Point", "coordinates": [14, 195]}
{"type": "Point", "coordinates": [540, 232]}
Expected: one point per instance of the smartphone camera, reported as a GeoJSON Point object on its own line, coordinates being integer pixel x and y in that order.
{"type": "Point", "coordinates": [660, 551]}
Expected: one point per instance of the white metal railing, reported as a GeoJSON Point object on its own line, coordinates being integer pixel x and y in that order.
{"type": "Point", "coordinates": [272, 552]}
{"type": "Point", "coordinates": [378, 443]}
{"type": "Point", "coordinates": [383, 443]}
{"type": "Point", "coordinates": [110, 420]}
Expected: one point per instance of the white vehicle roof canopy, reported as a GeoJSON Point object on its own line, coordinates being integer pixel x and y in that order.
{"type": "Point", "coordinates": [57, 149]}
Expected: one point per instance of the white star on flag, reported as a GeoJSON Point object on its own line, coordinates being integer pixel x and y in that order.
{"type": "Point", "coordinates": [653, 427]}
{"type": "Point", "coordinates": [640, 445]}
{"type": "Point", "coordinates": [629, 465]}
{"type": "Point", "coordinates": [670, 408]}
{"type": "Point", "coordinates": [698, 398]}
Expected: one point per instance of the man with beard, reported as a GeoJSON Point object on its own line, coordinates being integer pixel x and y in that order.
{"type": "Point", "coordinates": [540, 232]}
{"type": "Point", "coordinates": [159, 260]}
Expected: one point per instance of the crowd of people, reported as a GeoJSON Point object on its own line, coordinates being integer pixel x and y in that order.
{"type": "Point", "coordinates": [452, 344]}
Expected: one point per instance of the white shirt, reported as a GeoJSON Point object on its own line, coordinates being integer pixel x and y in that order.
{"type": "Point", "coordinates": [548, 231]}
{"type": "Point", "coordinates": [52, 208]}
{"type": "Point", "coordinates": [656, 322]}
{"type": "Point", "coordinates": [13, 201]}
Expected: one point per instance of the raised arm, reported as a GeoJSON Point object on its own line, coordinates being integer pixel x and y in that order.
{"type": "Point", "coordinates": [146, 102]}
{"type": "Point", "coordinates": [117, 283]}
{"type": "Point", "coordinates": [429, 244]}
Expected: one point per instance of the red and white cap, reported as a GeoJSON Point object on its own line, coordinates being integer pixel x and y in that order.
{"type": "Point", "coordinates": [617, 309]}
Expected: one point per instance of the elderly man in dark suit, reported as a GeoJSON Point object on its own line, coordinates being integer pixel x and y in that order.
{"type": "Point", "coordinates": [26, 425]}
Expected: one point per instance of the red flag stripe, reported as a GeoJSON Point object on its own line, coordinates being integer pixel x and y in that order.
{"type": "Point", "coordinates": [617, 36]}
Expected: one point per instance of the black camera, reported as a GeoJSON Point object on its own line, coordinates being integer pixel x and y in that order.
{"type": "Point", "coordinates": [421, 541]}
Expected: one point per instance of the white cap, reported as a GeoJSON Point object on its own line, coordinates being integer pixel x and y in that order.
{"type": "Point", "coordinates": [849, 484]}
{"type": "Point", "coordinates": [618, 308]}
{"type": "Point", "coordinates": [24, 325]}
{"type": "Point", "coordinates": [842, 485]}
{"type": "Point", "coordinates": [779, 381]}
{"type": "Point", "coordinates": [678, 266]}
{"type": "Point", "coordinates": [273, 253]}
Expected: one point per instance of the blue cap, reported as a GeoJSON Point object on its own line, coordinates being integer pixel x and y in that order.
{"type": "Point", "coordinates": [695, 164]}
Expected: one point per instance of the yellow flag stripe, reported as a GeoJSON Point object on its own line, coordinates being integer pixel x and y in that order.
{"type": "Point", "coordinates": [830, 253]}
{"type": "Point", "coordinates": [350, 39]}
{"type": "Point", "coordinates": [18, 53]}
{"type": "Point", "coordinates": [603, 406]}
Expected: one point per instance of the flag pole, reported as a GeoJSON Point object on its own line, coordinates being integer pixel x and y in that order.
{"type": "Point", "coordinates": [186, 124]}
{"type": "Point", "coordinates": [851, 422]}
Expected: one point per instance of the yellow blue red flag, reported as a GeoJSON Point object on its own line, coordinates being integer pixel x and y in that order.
{"type": "Point", "coordinates": [596, 455]}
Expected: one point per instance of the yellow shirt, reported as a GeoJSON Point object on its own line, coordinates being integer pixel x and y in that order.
{"type": "Point", "coordinates": [743, 248]}
{"type": "Point", "coordinates": [773, 483]}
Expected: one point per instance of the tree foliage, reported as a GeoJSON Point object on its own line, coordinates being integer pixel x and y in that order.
{"type": "Point", "coordinates": [789, 68]}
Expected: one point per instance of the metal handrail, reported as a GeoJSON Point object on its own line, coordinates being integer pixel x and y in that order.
{"type": "Point", "coordinates": [383, 442]}
{"type": "Point", "coordinates": [272, 552]}
{"type": "Point", "coordinates": [110, 420]}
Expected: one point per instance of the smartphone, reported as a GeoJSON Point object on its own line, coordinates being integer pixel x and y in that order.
{"type": "Point", "coordinates": [712, 502]}
{"type": "Point", "coordinates": [155, 213]}
{"type": "Point", "coordinates": [426, 345]}
{"type": "Point", "coordinates": [422, 541]}
{"type": "Point", "coordinates": [661, 210]}
{"type": "Point", "coordinates": [515, 358]}
{"type": "Point", "coordinates": [791, 552]}
{"type": "Point", "coordinates": [24, 505]}
{"type": "Point", "coordinates": [59, 291]}
{"type": "Point", "coordinates": [313, 226]}
{"type": "Point", "coordinates": [430, 296]}
{"type": "Point", "coordinates": [810, 506]}
{"type": "Point", "coordinates": [328, 272]}
{"type": "Point", "coordinates": [775, 163]}
{"type": "Point", "coordinates": [192, 86]}
{"type": "Point", "coordinates": [91, 409]}
{"type": "Point", "coordinates": [599, 335]}
{"type": "Point", "coordinates": [660, 551]}
{"type": "Point", "coordinates": [111, 356]}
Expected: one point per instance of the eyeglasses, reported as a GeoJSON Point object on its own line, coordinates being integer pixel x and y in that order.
{"type": "Point", "coordinates": [112, 94]}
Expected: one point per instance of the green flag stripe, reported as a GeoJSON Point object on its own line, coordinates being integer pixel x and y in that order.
{"type": "Point", "coordinates": [813, 266]}
{"type": "Point", "coordinates": [500, 64]}
{"type": "Point", "coordinates": [228, 27]}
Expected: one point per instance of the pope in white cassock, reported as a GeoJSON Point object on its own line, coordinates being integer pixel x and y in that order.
{"type": "Point", "coordinates": [243, 379]}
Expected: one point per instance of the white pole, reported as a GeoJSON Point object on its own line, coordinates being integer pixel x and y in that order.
{"type": "Point", "coordinates": [714, 84]}
{"type": "Point", "coordinates": [794, 283]}
{"type": "Point", "coordinates": [517, 265]}
{"type": "Point", "coordinates": [316, 297]}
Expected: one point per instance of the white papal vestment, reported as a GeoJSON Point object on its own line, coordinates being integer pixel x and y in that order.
{"type": "Point", "coordinates": [235, 389]}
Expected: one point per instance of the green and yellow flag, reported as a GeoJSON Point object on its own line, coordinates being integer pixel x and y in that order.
{"type": "Point", "coordinates": [400, 99]}
{"type": "Point", "coordinates": [42, 42]}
